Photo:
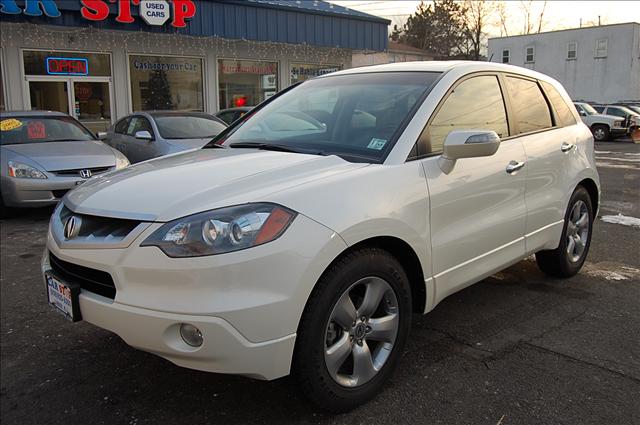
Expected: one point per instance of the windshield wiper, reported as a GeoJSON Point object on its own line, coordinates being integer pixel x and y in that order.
{"type": "Point", "coordinates": [273, 147]}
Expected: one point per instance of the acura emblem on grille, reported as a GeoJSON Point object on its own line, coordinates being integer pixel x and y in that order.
{"type": "Point", "coordinates": [85, 174]}
{"type": "Point", "coordinates": [72, 227]}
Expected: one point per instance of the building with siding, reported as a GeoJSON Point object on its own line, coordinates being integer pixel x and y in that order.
{"type": "Point", "coordinates": [99, 61]}
{"type": "Point", "coordinates": [596, 64]}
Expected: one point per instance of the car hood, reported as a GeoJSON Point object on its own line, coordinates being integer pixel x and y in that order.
{"type": "Point", "coordinates": [187, 183]}
{"type": "Point", "coordinates": [189, 143]}
{"type": "Point", "coordinates": [55, 156]}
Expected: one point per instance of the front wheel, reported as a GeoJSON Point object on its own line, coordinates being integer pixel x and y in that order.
{"type": "Point", "coordinates": [353, 330]}
{"type": "Point", "coordinates": [568, 258]}
{"type": "Point", "coordinates": [600, 132]}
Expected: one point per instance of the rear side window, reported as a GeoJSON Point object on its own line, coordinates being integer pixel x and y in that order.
{"type": "Point", "coordinates": [475, 104]}
{"type": "Point", "coordinates": [529, 105]}
{"type": "Point", "coordinates": [617, 112]}
{"type": "Point", "coordinates": [564, 117]}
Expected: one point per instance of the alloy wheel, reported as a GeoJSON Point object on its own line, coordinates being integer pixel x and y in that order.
{"type": "Point", "coordinates": [361, 332]}
{"type": "Point", "coordinates": [577, 231]}
{"type": "Point", "coordinates": [599, 134]}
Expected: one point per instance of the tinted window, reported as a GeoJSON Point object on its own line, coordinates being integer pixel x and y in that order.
{"type": "Point", "coordinates": [227, 117]}
{"type": "Point", "coordinates": [529, 105]}
{"type": "Point", "coordinates": [564, 116]}
{"type": "Point", "coordinates": [354, 116]}
{"type": "Point", "coordinates": [599, 109]}
{"type": "Point", "coordinates": [138, 124]}
{"type": "Point", "coordinates": [188, 126]}
{"type": "Point", "coordinates": [475, 103]}
{"type": "Point", "coordinates": [20, 130]}
{"type": "Point", "coordinates": [617, 112]}
{"type": "Point", "coordinates": [121, 126]}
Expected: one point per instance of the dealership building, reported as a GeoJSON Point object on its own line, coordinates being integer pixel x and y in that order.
{"type": "Point", "coordinates": [101, 60]}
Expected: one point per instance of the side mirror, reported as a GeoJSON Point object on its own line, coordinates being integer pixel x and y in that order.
{"type": "Point", "coordinates": [102, 135]}
{"type": "Point", "coordinates": [582, 113]}
{"type": "Point", "coordinates": [467, 144]}
{"type": "Point", "coordinates": [143, 135]}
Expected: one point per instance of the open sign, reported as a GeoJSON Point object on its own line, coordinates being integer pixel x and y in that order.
{"type": "Point", "coordinates": [67, 66]}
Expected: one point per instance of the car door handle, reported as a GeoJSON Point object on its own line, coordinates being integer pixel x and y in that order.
{"type": "Point", "coordinates": [514, 166]}
{"type": "Point", "coordinates": [566, 147]}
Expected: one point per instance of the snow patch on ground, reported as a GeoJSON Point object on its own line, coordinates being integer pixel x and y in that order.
{"type": "Point", "coordinates": [611, 271]}
{"type": "Point", "coordinates": [621, 219]}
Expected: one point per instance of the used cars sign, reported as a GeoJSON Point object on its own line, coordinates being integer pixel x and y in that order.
{"type": "Point", "coordinates": [154, 12]}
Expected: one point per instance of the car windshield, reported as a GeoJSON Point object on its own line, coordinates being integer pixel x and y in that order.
{"type": "Point", "coordinates": [589, 109]}
{"type": "Point", "coordinates": [41, 129]}
{"type": "Point", "coordinates": [357, 117]}
{"type": "Point", "coordinates": [188, 126]}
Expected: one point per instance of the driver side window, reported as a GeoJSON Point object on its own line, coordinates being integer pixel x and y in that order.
{"type": "Point", "coordinates": [475, 104]}
{"type": "Point", "coordinates": [138, 124]}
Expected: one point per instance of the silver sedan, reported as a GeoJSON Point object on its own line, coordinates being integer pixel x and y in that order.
{"type": "Point", "coordinates": [45, 154]}
{"type": "Point", "coordinates": [145, 135]}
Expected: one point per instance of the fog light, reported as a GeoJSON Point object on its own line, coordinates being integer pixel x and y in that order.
{"type": "Point", "coordinates": [191, 335]}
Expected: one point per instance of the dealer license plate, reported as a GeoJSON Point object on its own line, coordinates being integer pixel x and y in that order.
{"type": "Point", "coordinates": [63, 297]}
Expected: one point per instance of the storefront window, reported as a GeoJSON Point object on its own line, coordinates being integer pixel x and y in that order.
{"type": "Point", "coordinates": [166, 83]}
{"type": "Point", "coordinates": [246, 82]}
{"type": "Point", "coordinates": [304, 71]}
{"type": "Point", "coordinates": [66, 63]}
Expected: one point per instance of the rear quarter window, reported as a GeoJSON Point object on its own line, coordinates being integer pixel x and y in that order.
{"type": "Point", "coordinates": [564, 116]}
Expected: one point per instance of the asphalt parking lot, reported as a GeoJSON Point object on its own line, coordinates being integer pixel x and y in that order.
{"type": "Point", "coordinates": [517, 348]}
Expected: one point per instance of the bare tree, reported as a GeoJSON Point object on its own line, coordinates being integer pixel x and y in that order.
{"type": "Point", "coordinates": [503, 17]}
{"type": "Point", "coordinates": [540, 20]}
{"type": "Point", "coordinates": [477, 17]}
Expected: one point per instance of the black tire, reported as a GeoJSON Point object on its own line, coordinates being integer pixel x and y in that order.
{"type": "Point", "coordinates": [309, 365]}
{"type": "Point", "coordinates": [600, 132]}
{"type": "Point", "coordinates": [557, 262]}
{"type": "Point", "coordinates": [5, 212]}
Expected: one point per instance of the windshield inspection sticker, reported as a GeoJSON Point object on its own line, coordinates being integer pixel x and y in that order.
{"type": "Point", "coordinates": [377, 144]}
{"type": "Point", "coordinates": [10, 124]}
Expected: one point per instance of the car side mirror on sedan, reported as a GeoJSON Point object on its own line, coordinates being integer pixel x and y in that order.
{"type": "Point", "coordinates": [101, 135]}
{"type": "Point", "coordinates": [144, 135]}
{"type": "Point", "coordinates": [467, 144]}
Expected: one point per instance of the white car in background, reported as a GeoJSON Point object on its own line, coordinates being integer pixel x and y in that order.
{"type": "Point", "coordinates": [603, 127]}
{"type": "Point", "coordinates": [307, 249]}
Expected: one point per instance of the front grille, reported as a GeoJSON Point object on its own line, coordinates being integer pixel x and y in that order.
{"type": "Point", "coordinates": [76, 173]}
{"type": "Point", "coordinates": [104, 228]}
{"type": "Point", "coordinates": [60, 193]}
{"type": "Point", "coordinates": [96, 281]}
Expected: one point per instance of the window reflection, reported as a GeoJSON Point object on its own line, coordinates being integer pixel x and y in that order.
{"type": "Point", "coordinates": [475, 104]}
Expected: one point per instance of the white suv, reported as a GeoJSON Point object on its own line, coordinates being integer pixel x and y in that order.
{"type": "Point", "coordinates": [306, 234]}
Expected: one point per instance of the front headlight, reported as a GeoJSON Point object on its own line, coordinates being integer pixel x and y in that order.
{"type": "Point", "coordinates": [121, 160]}
{"type": "Point", "coordinates": [222, 230]}
{"type": "Point", "coordinates": [24, 171]}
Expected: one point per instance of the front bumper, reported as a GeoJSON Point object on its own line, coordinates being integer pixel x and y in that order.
{"type": "Point", "coordinates": [36, 192]}
{"type": "Point", "coordinates": [247, 304]}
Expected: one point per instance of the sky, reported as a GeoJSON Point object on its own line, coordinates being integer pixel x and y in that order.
{"type": "Point", "coordinates": [557, 14]}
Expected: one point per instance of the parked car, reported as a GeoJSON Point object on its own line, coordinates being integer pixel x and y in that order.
{"type": "Point", "coordinates": [147, 135]}
{"type": "Point", "coordinates": [45, 154]}
{"type": "Point", "coordinates": [265, 253]}
{"type": "Point", "coordinates": [635, 107]}
{"type": "Point", "coordinates": [602, 126]}
{"type": "Point", "coordinates": [232, 114]}
{"type": "Point", "coordinates": [631, 118]}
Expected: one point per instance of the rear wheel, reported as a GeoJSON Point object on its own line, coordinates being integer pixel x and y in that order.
{"type": "Point", "coordinates": [353, 330]}
{"type": "Point", "coordinates": [568, 258]}
{"type": "Point", "coordinates": [600, 132]}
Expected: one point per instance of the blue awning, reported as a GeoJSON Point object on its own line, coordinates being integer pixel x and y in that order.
{"type": "Point", "coordinates": [312, 22]}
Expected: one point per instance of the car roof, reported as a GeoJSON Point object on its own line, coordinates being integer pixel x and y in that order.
{"type": "Point", "coordinates": [158, 113]}
{"type": "Point", "coordinates": [441, 66]}
{"type": "Point", "coordinates": [32, 113]}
